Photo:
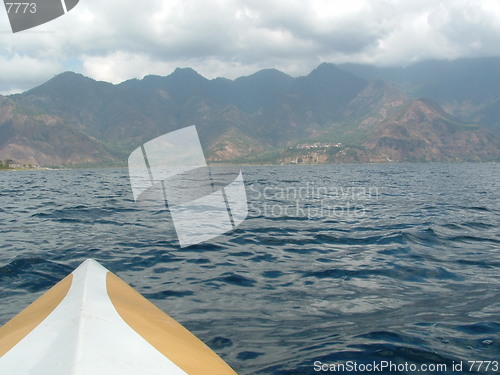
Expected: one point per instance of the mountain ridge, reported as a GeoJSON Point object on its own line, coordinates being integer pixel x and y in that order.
{"type": "Point", "coordinates": [268, 117]}
{"type": "Point", "coordinates": [467, 88]}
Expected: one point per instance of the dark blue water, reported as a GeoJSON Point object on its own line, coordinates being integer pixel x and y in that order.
{"type": "Point", "coordinates": [364, 263]}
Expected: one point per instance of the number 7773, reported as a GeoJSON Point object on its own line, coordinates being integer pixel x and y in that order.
{"type": "Point", "coordinates": [19, 8]}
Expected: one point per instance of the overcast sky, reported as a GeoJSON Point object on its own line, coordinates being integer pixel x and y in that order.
{"type": "Point", "coordinates": [115, 40]}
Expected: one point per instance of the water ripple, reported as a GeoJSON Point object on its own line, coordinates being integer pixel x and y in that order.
{"type": "Point", "coordinates": [413, 278]}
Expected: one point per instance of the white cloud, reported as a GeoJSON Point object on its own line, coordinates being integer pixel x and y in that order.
{"type": "Point", "coordinates": [120, 66]}
{"type": "Point", "coordinates": [20, 73]}
{"type": "Point", "coordinates": [116, 40]}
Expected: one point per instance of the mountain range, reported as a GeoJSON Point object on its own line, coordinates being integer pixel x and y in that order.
{"type": "Point", "coordinates": [430, 111]}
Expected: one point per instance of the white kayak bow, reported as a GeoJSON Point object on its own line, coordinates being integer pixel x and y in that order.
{"type": "Point", "coordinates": [93, 323]}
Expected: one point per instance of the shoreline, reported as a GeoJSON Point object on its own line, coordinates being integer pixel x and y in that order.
{"type": "Point", "coordinates": [216, 164]}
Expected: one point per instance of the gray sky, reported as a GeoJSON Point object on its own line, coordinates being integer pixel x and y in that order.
{"type": "Point", "coordinates": [115, 40]}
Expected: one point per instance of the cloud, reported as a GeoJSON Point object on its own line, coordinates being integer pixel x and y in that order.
{"type": "Point", "coordinates": [115, 40]}
{"type": "Point", "coordinates": [20, 73]}
{"type": "Point", "coordinates": [119, 66]}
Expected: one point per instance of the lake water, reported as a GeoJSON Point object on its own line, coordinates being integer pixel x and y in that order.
{"type": "Point", "coordinates": [335, 263]}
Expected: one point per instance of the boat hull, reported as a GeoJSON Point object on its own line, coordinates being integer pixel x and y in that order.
{"type": "Point", "coordinates": [91, 323]}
